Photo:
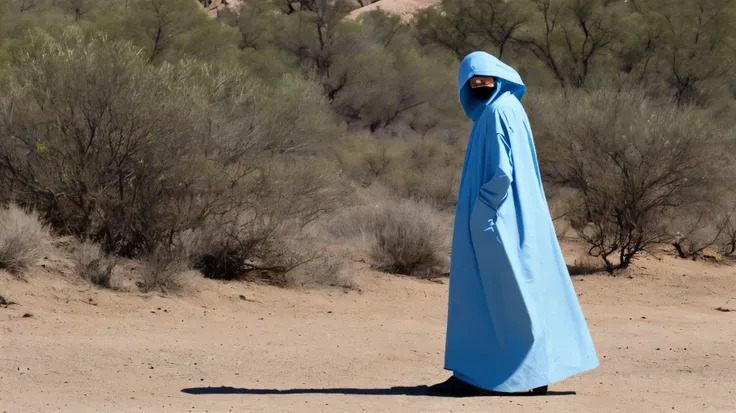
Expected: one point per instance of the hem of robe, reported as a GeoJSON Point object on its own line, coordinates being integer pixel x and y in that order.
{"type": "Point", "coordinates": [505, 388]}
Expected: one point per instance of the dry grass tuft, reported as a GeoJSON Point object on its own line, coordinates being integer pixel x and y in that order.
{"type": "Point", "coordinates": [163, 270]}
{"type": "Point", "coordinates": [408, 239]}
{"type": "Point", "coordinates": [94, 265]}
{"type": "Point", "coordinates": [402, 237]}
{"type": "Point", "coordinates": [318, 266]}
{"type": "Point", "coordinates": [23, 239]}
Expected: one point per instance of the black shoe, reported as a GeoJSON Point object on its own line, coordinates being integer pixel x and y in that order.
{"type": "Point", "coordinates": [453, 387]}
{"type": "Point", "coordinates": [540, 391]}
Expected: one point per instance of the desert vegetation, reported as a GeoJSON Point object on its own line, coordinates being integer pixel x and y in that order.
{"type": "Point", "coordinates": [237, 146]}
{"type": "Point", "coordinates": [23, 239]}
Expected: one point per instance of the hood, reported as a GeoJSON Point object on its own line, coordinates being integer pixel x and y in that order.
{"type": "Point", "coordinates": [484, 64]}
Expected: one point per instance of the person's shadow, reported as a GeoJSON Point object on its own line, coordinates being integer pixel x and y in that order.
{"type": "Point", "coordinates": [389, 391]}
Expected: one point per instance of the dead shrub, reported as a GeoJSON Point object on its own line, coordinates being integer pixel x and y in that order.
{"type": "Point", "coordinates": [634, 164]}
{"type": "Point", "coordinates": [252, 238]}
{"type": "Point", "coordinates": [353, 225]}
{"type": "Point", "coordinates": [94, 265]}
{"type": "Point", "coordinates": [727, 240]}
{"type": "Point", "coordinates": [326, 269]}
{"type": "Point", "coordinates": [584, 267]}
{"type": "Point", "coordinates": [408, 239]}
{"type": "Point", "coordinates": [307, 261]}
{"type": "Point", "coordinates": [162, 270]}
{"type": "Point", "coordinates": [269, 255]}
{"type": "Point", "coordinates": [401, 237]}
{"type": "Point", "coordinates": [23, 239]}
{"type": "Point", "coordinates": [702, 226]}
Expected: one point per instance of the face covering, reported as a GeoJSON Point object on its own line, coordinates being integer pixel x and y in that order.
{"type": "Point", "coordinates": [483, 93]}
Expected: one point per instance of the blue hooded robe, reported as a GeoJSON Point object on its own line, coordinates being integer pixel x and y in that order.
{"type": "Point", "coordinates": [514, 321]}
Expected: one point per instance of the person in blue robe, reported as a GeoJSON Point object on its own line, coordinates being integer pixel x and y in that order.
{"type": "Point", "coordinates": [514, 322]}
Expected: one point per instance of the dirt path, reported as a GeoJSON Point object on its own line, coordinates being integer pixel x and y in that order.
{"type": "Point", "coordinates": [662, 344]}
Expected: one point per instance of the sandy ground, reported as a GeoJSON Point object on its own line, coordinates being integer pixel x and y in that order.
{"type": "Point", "coordinates": [662, 345]}
{"type": "Point", "coordinates": [403, 8]}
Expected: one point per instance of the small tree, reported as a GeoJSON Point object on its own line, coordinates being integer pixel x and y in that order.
{"type": "Point", "coordinates": [635, 166]}
{"type": "Point", "coordinates": [462, 26]}
{"type": "Point", "coordinates": [695, 46]}
{"type": "Point", "coordinates": [571, 37]}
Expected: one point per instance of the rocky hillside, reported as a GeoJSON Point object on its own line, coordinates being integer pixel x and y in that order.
{"type": "Point", "coordinates": [404, 8]}
{"type": "Point", "coordinates": [214, 6]}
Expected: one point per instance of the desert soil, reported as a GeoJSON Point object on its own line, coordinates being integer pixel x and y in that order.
{"type": "Point", "coordinates": [663, 346]}
{"type": "Point", "coordinates": [402, 8]}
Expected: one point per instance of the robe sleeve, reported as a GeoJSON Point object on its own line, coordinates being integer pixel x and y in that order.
{"type": "Point", "coordinates": [499, 164]}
